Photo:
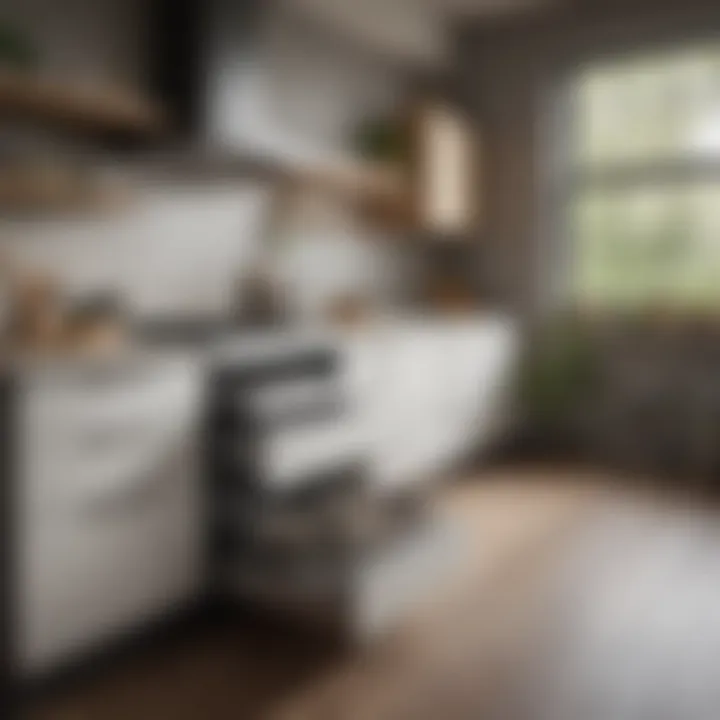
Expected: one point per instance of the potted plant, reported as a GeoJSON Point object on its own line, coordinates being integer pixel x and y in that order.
{"type": "Point", "coordinates": [558, 377]}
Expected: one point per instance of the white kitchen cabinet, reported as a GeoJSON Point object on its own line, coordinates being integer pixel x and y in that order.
{"type": "Point", "coordinates": [423, 394]}
{"type": "Point", "coordinates": [109, 508]}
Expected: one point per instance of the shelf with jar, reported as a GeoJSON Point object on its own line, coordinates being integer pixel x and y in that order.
{"type": "Point", "coordinates": [432, 149]}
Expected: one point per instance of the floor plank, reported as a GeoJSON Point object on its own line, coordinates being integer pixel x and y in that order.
{"type": "Point", "coordinates": [577, 600]}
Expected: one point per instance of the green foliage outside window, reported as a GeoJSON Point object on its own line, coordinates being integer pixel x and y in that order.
{"type": "Point", "coordinates": [644, 216]}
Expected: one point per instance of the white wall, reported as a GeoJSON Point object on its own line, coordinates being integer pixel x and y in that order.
{"type": "Point", "coordinates": [180, 249]}
{"type": "Point", "coordinates": [173, 251]}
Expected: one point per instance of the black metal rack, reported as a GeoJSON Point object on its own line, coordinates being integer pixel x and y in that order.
{"type": "Point", "coordinates": [267, 540]}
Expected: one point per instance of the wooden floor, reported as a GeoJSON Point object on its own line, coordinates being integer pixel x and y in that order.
{"type": "Point", "coordinates": [577, 600]}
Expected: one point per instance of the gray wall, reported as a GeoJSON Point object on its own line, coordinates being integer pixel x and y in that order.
{"type": "Point", "coordinates": [84, 39]}
{"type": "Point", "coordinates": [179, 249]}
{"type": "Point", "coordinates": [512, 78]}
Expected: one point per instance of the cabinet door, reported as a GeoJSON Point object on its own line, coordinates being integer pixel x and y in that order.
{"type": "Point", "coordinates": [393, 378]}
{"type": "Point", "coordinates": [408, 402]}
{"type": "Point", "coordinates": [478, 388]}
{"type": "Point", "coordinates": [88, 577]}
{"type": "Point", "coordinates": [101, 552]}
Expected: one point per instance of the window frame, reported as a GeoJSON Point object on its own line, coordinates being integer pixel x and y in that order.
{"type": "Point", "coordinates": [564, 180]}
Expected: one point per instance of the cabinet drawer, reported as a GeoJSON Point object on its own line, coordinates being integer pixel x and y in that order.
{"type": "Point", "coordinates": [103, 442]}
{"type": "Point", "coordinates": [87, 577]}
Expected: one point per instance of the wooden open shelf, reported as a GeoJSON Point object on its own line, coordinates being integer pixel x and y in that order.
{"type": "Point", "coordinates": [359, 181]}
{"type": "Point", "coordinates": [378, 193]}
{"type": "Point", "coordinates": [95, 110]}
{"type": "Point", "coordinates": [37, 194]}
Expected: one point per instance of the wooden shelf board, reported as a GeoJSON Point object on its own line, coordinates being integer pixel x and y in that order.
{"type": "Point", "coordinates": [359, 181]}
{"type": "Point", "coordinates": [96, 110]}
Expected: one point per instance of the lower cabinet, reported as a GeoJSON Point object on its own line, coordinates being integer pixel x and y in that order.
{"type": "Point", "coordinates": [426, 393]}
{"type": "Point", "coordinates": [109, 512]}
{"type": "Point", "coordinates": [108, 518]}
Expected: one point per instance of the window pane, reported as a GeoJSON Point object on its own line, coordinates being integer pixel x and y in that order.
{"type": "Point", "coordinates": [657, 107]}
{"type": "Point", "coordinates": [648, 246]}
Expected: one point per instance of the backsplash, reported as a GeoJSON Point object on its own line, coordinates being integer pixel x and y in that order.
{"type": "Point", "coordinates": [175, 250]}
{"type": "Point", "coordinates": [181, 251]}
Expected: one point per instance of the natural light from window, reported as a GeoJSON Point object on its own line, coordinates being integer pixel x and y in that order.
{"type": "Point", "coordinates": [645, 185]}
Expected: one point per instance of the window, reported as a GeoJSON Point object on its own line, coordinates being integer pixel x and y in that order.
{"type": "Point", "coordinates": [645, 166]}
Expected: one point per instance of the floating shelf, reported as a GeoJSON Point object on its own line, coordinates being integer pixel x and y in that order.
{"type": "Point", "coordinates": [83, 202]}
{"type": "Point", "coordinates": [54, 189]}
{"type": "Point", "coordinates": [361, 181]}
{"type": "Point", "coordinates": [351, 180]}
{"type": "Point", "coordinates": [83, 109]}
{"type": "Point", "coordinates": [182, 165]}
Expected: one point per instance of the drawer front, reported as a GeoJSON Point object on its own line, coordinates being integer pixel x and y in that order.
{"type": "Point", "coordinates": [88, 576]}
{"type": "Point", "coordinates": [79, 444]}
{"type": "Point", "coordinates": [292, 456]}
